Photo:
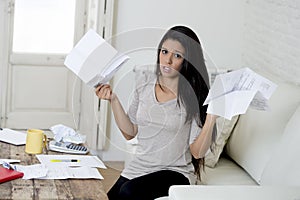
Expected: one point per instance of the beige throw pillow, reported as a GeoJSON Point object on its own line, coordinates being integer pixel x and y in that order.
{"type": "Point", "coordinates": [224, 129]}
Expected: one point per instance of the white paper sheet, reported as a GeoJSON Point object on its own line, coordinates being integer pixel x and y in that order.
{"type": "Point", "coordinates": [32, 171]}
{"type": "Point", "coordinates": [3, 160]}
{"type": "Point", "coordinates": [66, 134]}
{"type": "Point", "coordinates": [93, 59]}
{"type": "Point", "coordinates": [83, 160]}
{"type": "Point", "coordinates": [41, 171]}
{"type": "Point", "coordinates": [232, 93]}
{"type": "Point", "coordinates": [12, 137]}
{"type": "Point", "coordinates": [64, 172]}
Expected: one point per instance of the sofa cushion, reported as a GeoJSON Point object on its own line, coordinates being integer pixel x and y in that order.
{"type": "Point", "coordinates": [284, 165]}
{"type": "Point", "coordinates": [226, 172]}
{"type": "Point", "coordinates": [258, 132]}
{"type": "Point", "coordinates": [224, 129]}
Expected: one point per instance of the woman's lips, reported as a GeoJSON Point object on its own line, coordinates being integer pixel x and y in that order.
{"type": "Point", "coordinates": [167, 69]}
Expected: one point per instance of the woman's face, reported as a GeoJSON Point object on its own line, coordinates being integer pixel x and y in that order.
{"type": "Point", "coordinates": [171, 57]}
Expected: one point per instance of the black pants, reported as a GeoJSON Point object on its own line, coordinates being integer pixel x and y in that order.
{"type": "Point", "coordinates": [146, 187]}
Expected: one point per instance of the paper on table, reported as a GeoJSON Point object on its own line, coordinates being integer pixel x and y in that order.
{"type": "Point", "coordinates": [41, 171]}
{"type": "Point", "coordinates": [9, 161]}
{"type": "Point", "coordinates": [12, 137]}
{"type": "Point", "coordinates": [232, 93]}
{"type": "Point", "coordinates": [64, 133]}
{"type": "Point", "coordinates": [33, 171]}
{"type": "Point", "coordinates": [84, 160]}
{"type": "Point", "coordinates": [94, 60]}
{"type": "Point", "coordinates": [64, 172]}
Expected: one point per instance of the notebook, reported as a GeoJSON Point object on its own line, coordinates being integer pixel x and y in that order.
{"type": "Point", "coordinates": [9, 174]}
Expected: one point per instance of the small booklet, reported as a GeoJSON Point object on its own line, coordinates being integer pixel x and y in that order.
{"type": "Point", "coordinates": [94, 60]}
{"type": "Point", "coordinates": [9, 174]}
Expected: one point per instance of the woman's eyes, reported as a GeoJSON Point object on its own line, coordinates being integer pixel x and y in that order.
{"type": "Point", "coordinates": [176, 55]}
{"type": "Point", "coordinates": [164, 51]}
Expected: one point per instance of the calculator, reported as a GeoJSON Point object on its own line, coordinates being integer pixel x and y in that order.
{"type": "Point", "coordinates": [67, 147]}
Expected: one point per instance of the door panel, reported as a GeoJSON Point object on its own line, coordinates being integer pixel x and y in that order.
{"type": "Point", "coordinates": [43, 95]}
{"type": "Point", "coordinates": [41, 91]}
{"type": "Point", "coordinates": [39, 88]}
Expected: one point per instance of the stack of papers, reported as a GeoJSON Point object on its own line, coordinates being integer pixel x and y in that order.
{"type": "Point", "coordinates": [232, 93]}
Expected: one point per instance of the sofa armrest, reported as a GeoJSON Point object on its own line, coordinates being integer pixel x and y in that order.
{"type": "Point", "coordinates": [251, 192]}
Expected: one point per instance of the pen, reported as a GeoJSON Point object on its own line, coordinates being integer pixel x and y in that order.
{"type": "Point", "coordinates": [8, 166]}
{"type": "Point", "coordinates": [65, 160]}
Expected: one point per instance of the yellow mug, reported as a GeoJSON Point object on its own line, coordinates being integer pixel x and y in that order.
{"type": "Point", "coordinates": [36, 140]}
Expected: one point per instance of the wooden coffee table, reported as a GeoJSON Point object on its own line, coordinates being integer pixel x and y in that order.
{"type": "Point", "coordinates": [45, 189]}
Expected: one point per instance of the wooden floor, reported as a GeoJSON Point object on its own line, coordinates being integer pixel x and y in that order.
{"type": "Point", "coordinates": [111, 174]}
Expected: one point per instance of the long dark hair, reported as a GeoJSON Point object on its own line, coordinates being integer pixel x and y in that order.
{"type": "Point", "coordinates": [193, 83]}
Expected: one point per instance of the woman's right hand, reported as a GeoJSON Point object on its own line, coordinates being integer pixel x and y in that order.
{"type": "Point", "coordinates": [104, 91]}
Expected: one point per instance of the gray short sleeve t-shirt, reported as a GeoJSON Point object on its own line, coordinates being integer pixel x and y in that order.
{"type": "Point", "coordinates": [163, 136]}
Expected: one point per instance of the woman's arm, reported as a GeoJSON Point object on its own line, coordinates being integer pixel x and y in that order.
{"type": "Point", "coordinates": [202, 143]}
{"type": "Point", "coordinates": [128, 129]}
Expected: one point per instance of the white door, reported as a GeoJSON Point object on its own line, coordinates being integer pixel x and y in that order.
{"type": "Point", "coordinates": [40, 90]}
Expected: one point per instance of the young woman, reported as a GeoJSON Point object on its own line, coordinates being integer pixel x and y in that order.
{"type": "Point", "coordinates": [167, 117]}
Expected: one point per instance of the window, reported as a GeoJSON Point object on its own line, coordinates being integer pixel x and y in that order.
{"type": "Point", "coordinates": [44, 26]}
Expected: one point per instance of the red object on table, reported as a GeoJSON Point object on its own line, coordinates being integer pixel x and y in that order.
{"type": "Point", "coordinates": [9, 174]}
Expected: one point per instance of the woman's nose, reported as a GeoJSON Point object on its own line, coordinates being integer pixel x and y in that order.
{"type": "Point", "coordinates": [169, 58]}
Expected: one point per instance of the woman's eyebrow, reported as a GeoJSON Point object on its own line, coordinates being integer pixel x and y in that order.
{"type": "Point", "coordinates": [179, 52]}
{"type": "Point", "coordinates": [176, 51]}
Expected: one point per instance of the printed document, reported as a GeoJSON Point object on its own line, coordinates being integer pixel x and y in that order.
{"type": "Point", "coordinates": [232, 93]}
{"type": "Point", "coordinates": [94, 60]}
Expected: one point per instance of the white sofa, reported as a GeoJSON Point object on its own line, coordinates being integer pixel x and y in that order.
{"type": "Point", "coordinates": [261, 158]}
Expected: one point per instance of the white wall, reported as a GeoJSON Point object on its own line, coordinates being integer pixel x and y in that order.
{"type": "Point", "coordinates": [139, 25]}
{"type": "Point", "coordinates": [272, 37]}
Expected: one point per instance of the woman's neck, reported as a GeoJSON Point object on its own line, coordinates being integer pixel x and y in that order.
{"type": "Point", "coordinates": [169, 85]}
